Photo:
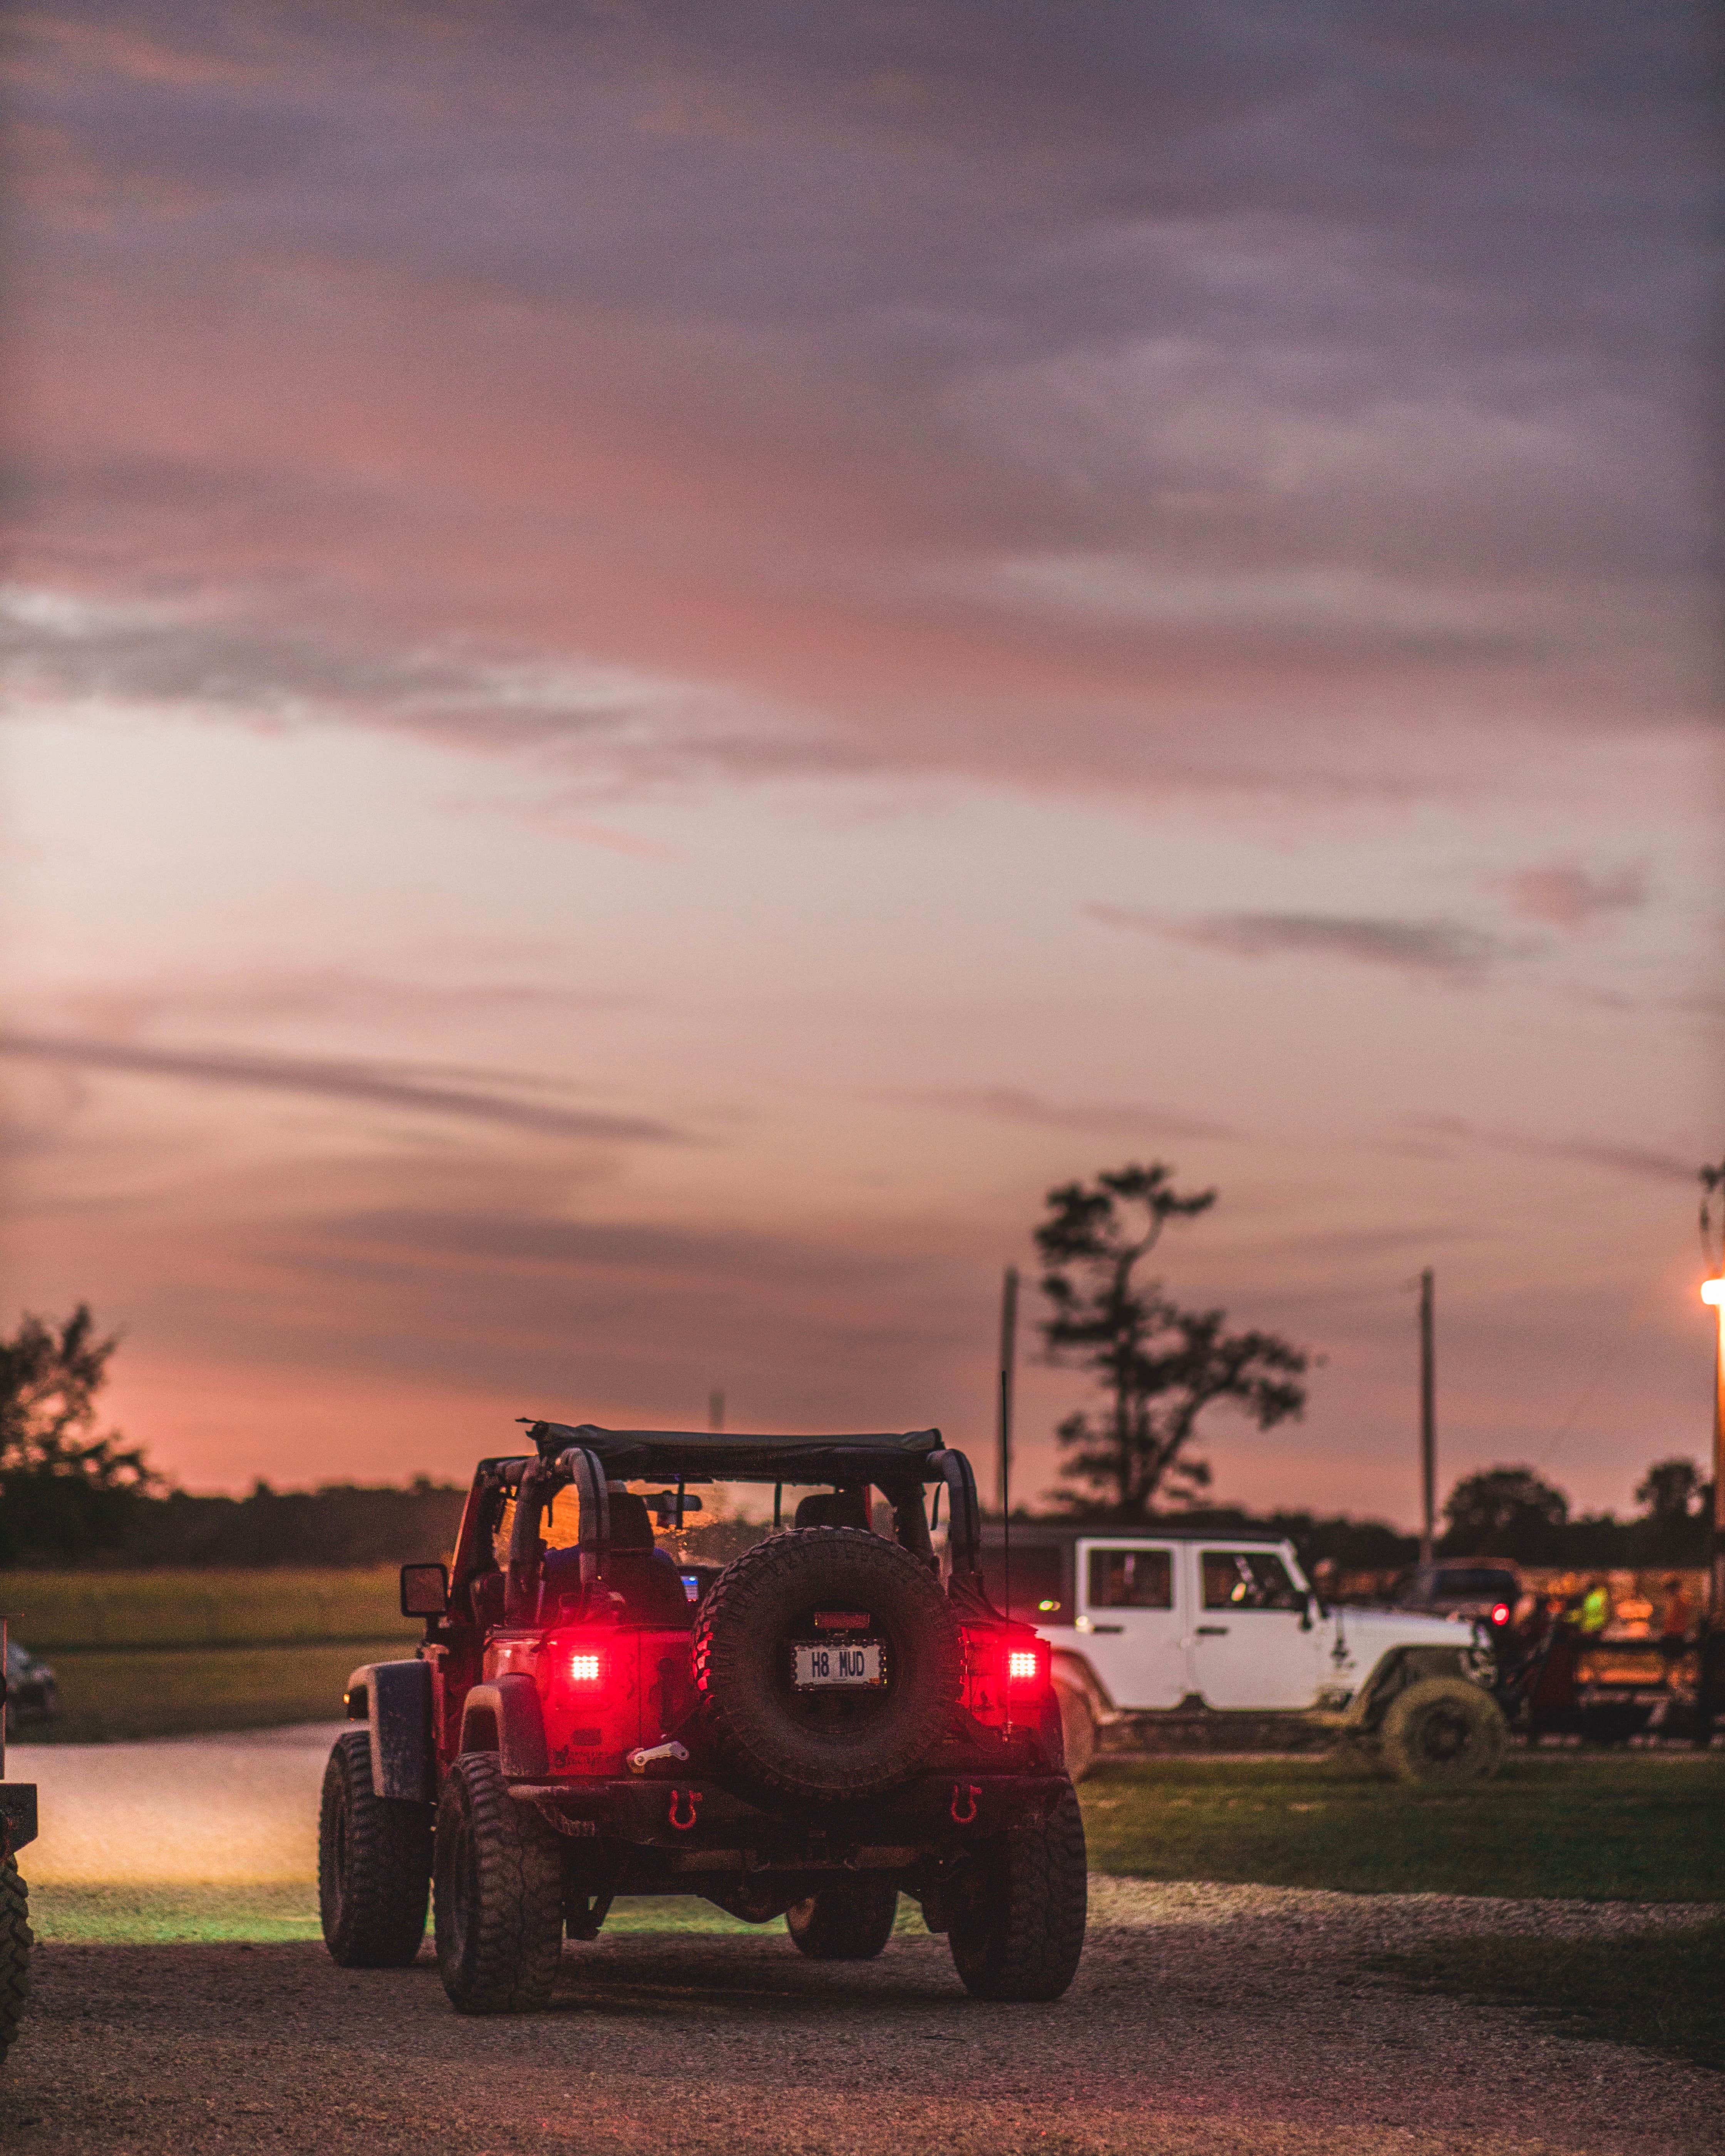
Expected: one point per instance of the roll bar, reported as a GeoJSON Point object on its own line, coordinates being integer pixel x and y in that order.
{"type": "Point", "coordinates": [964, 1535]}
{"type": "Point", "coordinates": [540, 1482]}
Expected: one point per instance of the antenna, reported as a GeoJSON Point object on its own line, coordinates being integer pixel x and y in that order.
{"type": "Point", "coordinates": [1009, 1354]}
{"type": "Point", "coordinates": [1428, 1416]}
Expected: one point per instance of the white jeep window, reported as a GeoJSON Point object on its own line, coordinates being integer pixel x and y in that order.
{"type": "Point", "coordinates": [1248, 1579]}
{"type": "Point", "coordinates": [1131, 1579]}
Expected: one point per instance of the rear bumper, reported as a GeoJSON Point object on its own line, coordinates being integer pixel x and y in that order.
{"type": "Point", "coordinates": [698, 1818]}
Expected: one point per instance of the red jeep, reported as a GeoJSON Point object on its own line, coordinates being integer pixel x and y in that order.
{"type": "Point", "coordinates": [836, 1718]}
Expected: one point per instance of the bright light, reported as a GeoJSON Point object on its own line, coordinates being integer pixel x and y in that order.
{"type": "Point", "coordinates": [583, 1669]}
{"type": "Point", "coordinates": [1048, 1606]}
{"type": "Point", "coordinates": [1713, 1291]}
{"type": "Point", "coordinates": [1500, 1613]}
{"type": "Point", "coordinates": [1020, 1668]}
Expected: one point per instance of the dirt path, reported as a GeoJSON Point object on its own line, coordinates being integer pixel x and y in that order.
{"type": "Point", "coordinates": [1205, 2018]}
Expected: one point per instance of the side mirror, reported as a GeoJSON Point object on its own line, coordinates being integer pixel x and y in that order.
{"type": "Point", "coordinates": [424, 1590]}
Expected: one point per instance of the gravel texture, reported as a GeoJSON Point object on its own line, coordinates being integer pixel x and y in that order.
{"type": "Point", "coordinates": [1205, 2018]}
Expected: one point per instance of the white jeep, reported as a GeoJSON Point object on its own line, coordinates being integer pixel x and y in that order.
{"type": "Point", "coordinates": [1217, 1632]}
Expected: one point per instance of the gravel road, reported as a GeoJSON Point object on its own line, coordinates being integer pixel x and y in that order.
{"type": "Point", "coordinates": [1205, 2019]}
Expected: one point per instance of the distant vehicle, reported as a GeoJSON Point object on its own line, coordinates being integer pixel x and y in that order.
{"type": "Point", "coordinates": [1489, 1592]}
{"type": "Point", "coordinates": [836, 1718]}
{"type": "Point", "coordinates": [18, 1826]}
{"type": "Point", "coordinates": [31, 1693]}
{"type": "Point", "coordinates": [1166, 1624]}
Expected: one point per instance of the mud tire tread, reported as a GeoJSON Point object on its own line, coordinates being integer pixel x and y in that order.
{"type": "Point", "coordinates": [1018, 1932]}
{"type": "Point", "coordinates": [16, 1941]}
{"type": "Point", "coordinates": [1401, 1752]}
{"type": "Point", "coordinates": [374, 1916]}
{"type": "Point", "coordinates": [851, 1920]}
{"type": "Point", "coordinates": [500, 1954]}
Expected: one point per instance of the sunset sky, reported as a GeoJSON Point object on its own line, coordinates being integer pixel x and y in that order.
{"type": "Point", "coordinates": [665, 657]}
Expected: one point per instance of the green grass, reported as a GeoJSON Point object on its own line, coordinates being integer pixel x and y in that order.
{"type": "Point", "coordinates": [171, 1916]}
{"type": "Point", "coordinates": [1627, 1828]}
{"type": "Point", "coordinates": [105, 1697]}
{"type": "Point", "coordinates": [1663, 1991]}
{"type": "Point", "coordinates": [58, 1613]}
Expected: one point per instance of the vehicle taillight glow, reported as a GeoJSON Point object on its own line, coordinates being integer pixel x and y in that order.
{"type": "Point", "coordinates": [1021, 1668]}
{"type": "Point", "coordinates": [1500, 1613]}
{"type": "Point", "coordinates": [583, 1669]}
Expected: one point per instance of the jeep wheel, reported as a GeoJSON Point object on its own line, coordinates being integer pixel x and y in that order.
{"type": "Point", "coordinates": [1078, 1728]}
{"type": "Point", "coordinates": [497, 1893]}
{"type": "Point", "coordinates": [1018, 1913]}
{"type": "Point", "coordinates": [843, 1741]}
{"type": "Point", "coordinates": [373, 1864]}
{"type": "Point", "coordinates": [1442, 1729]}
{"type": "Point", "coordinates": [15, 1944]}
{"type": "Point", "coordinates": [851, 1920]}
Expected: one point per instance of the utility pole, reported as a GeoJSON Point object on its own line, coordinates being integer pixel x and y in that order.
{"type": "Point", "coordinates": [715, 1410]}
{"type": "Point", "coordinates": [1009, 1357]}
{"type": "Point", "coordinates": [1428, 1419]}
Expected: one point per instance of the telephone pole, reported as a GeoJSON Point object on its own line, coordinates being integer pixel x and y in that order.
{"type": "Point", "coordinates": [1428, 1418]}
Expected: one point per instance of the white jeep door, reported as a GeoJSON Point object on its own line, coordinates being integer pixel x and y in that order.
{"type": "Point", "coordinates": [1129, 1622]}
{"type": "Point", "coordinates": [1254, 1644]}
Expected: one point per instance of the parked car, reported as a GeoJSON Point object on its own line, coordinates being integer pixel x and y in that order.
{"type": "Point", "coordinates": [1488, 1591]}
{"type": "Point", "coordinates": [1164, 1625]}
{"type": "Point", "coordinates": [833, 1719]}
{"type": "Point", "coordinates": [31, 1692]}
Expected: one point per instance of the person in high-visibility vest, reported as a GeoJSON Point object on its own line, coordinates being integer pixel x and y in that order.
{"type": "Point", "coordinates": [1595, 1608]}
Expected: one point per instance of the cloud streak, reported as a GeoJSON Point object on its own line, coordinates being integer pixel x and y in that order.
{"type": "Point", "coordinates": [378, 1085]}
{"type": "Point", "coordinates": [1447, 949]}
{"type": "Point", "coordinates": [1008, 1104]}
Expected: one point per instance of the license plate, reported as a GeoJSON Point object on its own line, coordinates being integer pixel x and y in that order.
{"type": "Point", "coordinates": [818, 1667]}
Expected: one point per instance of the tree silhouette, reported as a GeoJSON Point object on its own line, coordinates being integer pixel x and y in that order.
{"type": "Point", "coordinates": [1160, 1366]}
{"type": "Point", "coordinates": [1505, 1511]}
{"type": "Point", "coordinates": [65, 1489]}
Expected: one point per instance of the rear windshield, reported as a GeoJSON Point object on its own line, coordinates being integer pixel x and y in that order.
{"type": "Point", "coordinates": [1476, 1585]}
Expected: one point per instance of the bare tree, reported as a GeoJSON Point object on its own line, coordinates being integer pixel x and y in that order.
{"type": "Point", "coordinates": [1161, 1367]}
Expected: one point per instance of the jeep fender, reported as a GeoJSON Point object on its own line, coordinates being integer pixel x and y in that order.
{"type": "Point", "coordinates": [394, 1699]}
{"type": "Point", "coordinates": [1401, 1666]}
{"type": "Point", "coordinates": [1070, 1668]}
{"type": "Point", "coordinates": [504, 1718]}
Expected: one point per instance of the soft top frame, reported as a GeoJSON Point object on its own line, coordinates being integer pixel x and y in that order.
{"type": "Point", "coordinates": [882, 1456]}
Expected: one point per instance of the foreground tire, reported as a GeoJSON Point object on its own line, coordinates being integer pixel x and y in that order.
{"type": "Point", "coordinates": [1078, 1729]}
{"type": "Point", "coordinates": [497, 1894]}
{"type": "Point", "coordinates": [15, 1944]}
{"type": "Point", "coordinates": [1442, 1729]}
{"type": "Point", "coordinates": [1017, 1925]}
{"type": "Point", "coordinates": [831, 1746]}
{"type": "Point", "coordinates": [373, 1864]}
{"type": "Point", "coordinates": [851, 1920]}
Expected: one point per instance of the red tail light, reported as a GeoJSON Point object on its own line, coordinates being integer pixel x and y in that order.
{"type": "Point", "coordinates": [1500, 1613]}
{"type": "Point", "coordinates": [1002, 1670]}
{"type": "Point", "coordinates": [585, 1668]}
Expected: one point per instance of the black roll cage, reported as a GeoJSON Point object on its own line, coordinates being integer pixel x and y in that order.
{"type": "Point", "coordinates": [899, 1466]}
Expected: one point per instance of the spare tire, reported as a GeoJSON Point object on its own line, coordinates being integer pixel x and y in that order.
{"type": "Point", "coordinates": [828, 1742]}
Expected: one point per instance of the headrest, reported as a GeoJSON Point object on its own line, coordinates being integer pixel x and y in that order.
{"type": "Point", "coordinates": [840, 1508]}
{"type": "Point", "coordinates": [631, 1525]}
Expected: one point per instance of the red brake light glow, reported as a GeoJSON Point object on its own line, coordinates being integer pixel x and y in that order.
{"type": "Point", "coordinates": [1021, 1668]}
{"type": "Point", "coordinates": [583, 1669]}
{"type": "Point", "coordinates": [1500, 1613]}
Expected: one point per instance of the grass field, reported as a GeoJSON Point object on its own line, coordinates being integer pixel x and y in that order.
{"type": "Point", "coordinates": [1625, 1827]}
{"type": "Point", "coordinates": [59, 1613]}
{"type": "Point", "coordinates": [107, 1697]}
{"type": "Point", "coordinates": [1664, 1991]}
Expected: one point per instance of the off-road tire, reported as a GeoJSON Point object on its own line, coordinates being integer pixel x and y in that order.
{"type": "Point", "coordinates": [851, 1920]}
{"type": "Point", "coordinates": [1442, 1729]}
{"type": "Point", "coordinates": [829, 1750]}
{"type": "Point", "coordinates": [1078, 1730]}
{"type": "Point", "coordinates": [497, 1893]}
{"type": "Point", "coordinates": [1018, 1914]}
{"type": "Point", "coordinates": [373, 1864]}
{"type": "Point", "coordinates": [15, 1944]}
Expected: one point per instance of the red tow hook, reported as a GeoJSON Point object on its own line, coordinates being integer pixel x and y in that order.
{"type": "Point", "coordinates": [692, 1799]}
{"type": "Point", "coordinates": [969, 1791]}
